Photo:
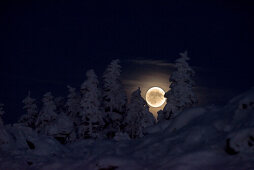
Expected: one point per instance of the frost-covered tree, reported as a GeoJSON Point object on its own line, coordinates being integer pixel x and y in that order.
{"type": "Point", "coordinates": [4, 136]}
{"type": "Point", "coordinates": [60, 104]}
{"type": "Point", "coordinates": [73, 103]}
{"type": "Point", "coordinates": [47, 114]}
{"type": "Point", "coordinates": [114, 97]}
{"type": "Point", "coordinates": [1, 114]}
{"type": "Point", "coordinates": [180, 95]}
{"type": "Point", "coordinates": [91, 111]}
{"type": "Point", "coordinates": [29, 119]}
{"type": "Point", "coordinates": [73, 110]}
{"type": "Point", "coordinates": [138, 116]}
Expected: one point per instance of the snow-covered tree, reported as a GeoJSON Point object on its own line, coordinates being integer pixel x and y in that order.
{"type": "Point", "coordinates": [138, 116]}
{"type": "Point", "coordinates": [114, 97]}
{"type": "Point", "coordinates": [4, 136]}
{"type": "Point", "coordinates": [180, 95]}
{"type": "Point", "coordinates": [1, 114]}
{"type": "Point", "coordinates": [73, 103]}
{"type": "Point", "coordinates": [60, 104]}
{"type": "Point", "coordinates": [47, 114]}
{"type": "Point", "coordinates": [73, 112]}
{"type": "Point", "coordinates": [29, 119]}
{"type": "Point", "coordinates": [91, 111]}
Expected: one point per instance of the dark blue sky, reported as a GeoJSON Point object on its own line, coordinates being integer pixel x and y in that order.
{"type": "Point", "coordinates": [46, 45]}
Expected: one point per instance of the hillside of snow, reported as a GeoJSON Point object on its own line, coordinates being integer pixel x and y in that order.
{"type": "Point", "coordinates": [199, 138]}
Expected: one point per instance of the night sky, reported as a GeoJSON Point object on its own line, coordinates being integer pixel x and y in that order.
{"type": "Point", "coordinates": [47, 45]}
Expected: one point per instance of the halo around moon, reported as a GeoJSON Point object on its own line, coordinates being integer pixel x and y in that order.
{"type": "Point", "coordinates": [155, 97]}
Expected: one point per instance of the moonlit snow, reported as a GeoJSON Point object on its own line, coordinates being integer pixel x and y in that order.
{"type": "Point", "coordinates": [97, 129]}
{"type": "Point", "coordinates": [208, 138]}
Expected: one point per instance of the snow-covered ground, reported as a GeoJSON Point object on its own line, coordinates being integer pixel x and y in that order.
{"type": "Point", "coordinates": [209, 138]}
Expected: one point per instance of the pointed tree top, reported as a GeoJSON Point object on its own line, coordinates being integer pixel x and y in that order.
{"type": "Point", "coordinates": [47, 97]}
{"type": "Point", "coordinates": [116, 61]}
{"type": "Point", "coordinates": [184, 57]}
{"type": "Point", "coordinates": [90, 73]}
{"type": "Point", "coordinates": [71, 89]}
{"type": "Point", "coordinates": [114, 64]}
{"type": "Point", "coordinates": [137, 92]}
{"type": "Point", "coordinates": [47, 94]}
{"type": "Point", "coordinates": [28, 98]}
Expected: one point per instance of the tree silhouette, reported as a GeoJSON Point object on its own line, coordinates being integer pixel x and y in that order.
{"type": "Point", "coordinates": [180, 95]}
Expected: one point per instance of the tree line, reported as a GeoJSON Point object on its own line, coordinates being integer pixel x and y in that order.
{"type": "Point", "coordinates": [101, 111]}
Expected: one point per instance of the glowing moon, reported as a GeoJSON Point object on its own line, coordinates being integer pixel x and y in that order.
{"type": "Point", "coordinates": [155, 97]}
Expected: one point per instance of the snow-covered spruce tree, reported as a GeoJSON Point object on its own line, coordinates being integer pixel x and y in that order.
{"type": "Point", "coordinates": [4, 136]}
{"type": "Point", "coordinates": [180, 95]}
{"type": "Point", "coordinates": [29, 119]}
{"type": "Point", "coordinates": [138, 116]}
{"type": "Point", "coordinates": [47, 114]}
{"type": "Point", "coordinates": [91, 111]}
{"type": "Point", "coordinates": [73, 104]}
{"type": "Point", "coordinates": [1, 114]}
{"type": "Point", "coordinates": [114, 98]}
{"type": "Point", "coordinates": [73, 111]}
{"type": "Point", "coordinates": [60, 104]}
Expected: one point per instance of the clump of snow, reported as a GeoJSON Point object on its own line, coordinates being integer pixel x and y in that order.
{"type": "Point", "coordinates": [24, 140]}
{"type": "Point", "coordinates": [62, 127]}
{"type": "Point", "coordinates": [242, 140]}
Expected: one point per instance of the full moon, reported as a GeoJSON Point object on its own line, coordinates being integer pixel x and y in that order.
{"type": "Point", "coordinates": [155, 97]}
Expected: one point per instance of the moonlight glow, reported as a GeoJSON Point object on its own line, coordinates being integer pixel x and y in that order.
{"type": "Point", "coordinates": [155, 97]}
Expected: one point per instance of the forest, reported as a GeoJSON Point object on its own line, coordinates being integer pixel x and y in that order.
{"type": "Point", "coordinates": [96, 127]}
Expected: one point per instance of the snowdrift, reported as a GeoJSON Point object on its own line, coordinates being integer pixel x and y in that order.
{"type": "Point", "coordinates": [199, 138]}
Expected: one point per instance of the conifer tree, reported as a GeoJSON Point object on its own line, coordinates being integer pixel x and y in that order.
{"type": "Point", "coordinates": [91, 111]}
{"type": "Point", "coordinates": [73, 110]}
{"type": "Point", "coordinates": [47, 114]}
{"type": "Point", "coordinates": [138, 115]}
{"type": "Point", "coordinates": [60, 104]}
{"type": "Point", "coordinates": [73, 103]}
{"type": "Point", "coordinates": [114, 98]}
{"type": "Point", "coordinates": [180, 95]}
{"type": "Point", "coordinates": [29, 119]}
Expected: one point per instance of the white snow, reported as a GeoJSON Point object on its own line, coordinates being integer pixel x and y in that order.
{"type": "Point", "coordinates": [190, 142]}
{"type": "Point", "coordinates": [209, 138]}
{"type": "Point", "coordinates": [185, 117]}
